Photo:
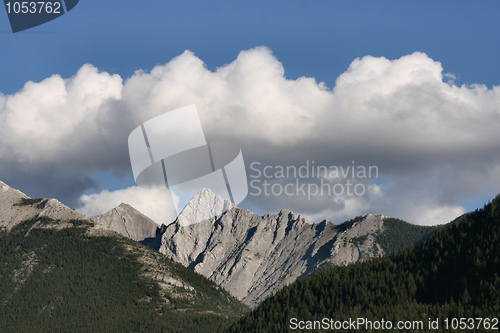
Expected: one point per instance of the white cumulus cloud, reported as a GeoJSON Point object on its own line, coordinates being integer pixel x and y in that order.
{"type": "Point", "coordinates": [157, 203]}
{"type": "Point", "coordinates": [435, 143]}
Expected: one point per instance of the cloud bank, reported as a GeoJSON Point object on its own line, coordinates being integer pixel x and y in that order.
{"type": "Point", "coordinates": [435, 143]}
{"type": "Point", "coordinates": [150, 200]}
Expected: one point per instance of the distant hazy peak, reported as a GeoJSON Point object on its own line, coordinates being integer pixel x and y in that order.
{"type": "Point", "coordinates": [204, 205]}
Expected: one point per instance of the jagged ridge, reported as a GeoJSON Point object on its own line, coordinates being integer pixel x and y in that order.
{"type": "Point", "coordinates": [253, 256]}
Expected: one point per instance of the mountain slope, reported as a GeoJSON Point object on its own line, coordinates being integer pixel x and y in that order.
{"type": "Point", "coordinates": [454, 274]}
{"type": "Point", "coordinates": [254, 256]}
{"type": "Point", "coordinates": [70, 275]}
{"type": "Point", "coordinates": [16, 207]}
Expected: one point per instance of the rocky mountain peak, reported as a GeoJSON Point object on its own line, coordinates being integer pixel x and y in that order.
{"type": "Point", "coordinates": [287, 213]}
{"type": "Point", "coordinates": [204, 205]}
{"type": "Point", "coordinates": [129, 222]}
{"type": "Point", "coordinates": [124, 206]}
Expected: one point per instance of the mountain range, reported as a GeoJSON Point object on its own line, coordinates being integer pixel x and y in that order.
{"type": "Point", "coordinates": [254, 256]}
{"type": "Point", "coordinates": [57, 263]}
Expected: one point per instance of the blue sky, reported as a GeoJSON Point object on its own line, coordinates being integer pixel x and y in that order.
{"type": "Point", "coordinates": [311, 38]}
{"type": "Point", "coordinates": [318, 39]}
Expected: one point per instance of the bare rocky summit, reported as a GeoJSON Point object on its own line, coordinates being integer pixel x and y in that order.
{"type": "Point", "coordinates": [129, 222]}
{"type": "Point", "coordinates": [253, 256]}
{"type": "Point", "coordinates": [16, 207]}
{"type": "Point", "coordinates": [204, 205]}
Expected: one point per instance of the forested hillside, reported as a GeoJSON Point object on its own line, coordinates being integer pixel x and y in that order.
{"type": "Point", "coordinates": [65, 277]}
{"type": "Point", "coordinates": [399, 234]}
{"type": "Point", "coordinates": [454, 274]}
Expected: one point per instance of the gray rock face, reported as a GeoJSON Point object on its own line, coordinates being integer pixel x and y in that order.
{"type": "Point", "coordinates": [129, 222]}
{"type": "Point", "coordinates": [253, 256]}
